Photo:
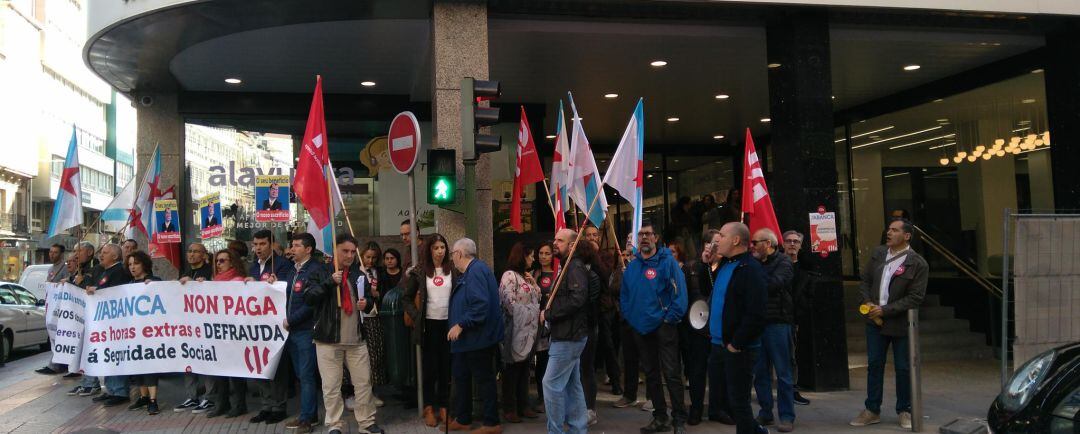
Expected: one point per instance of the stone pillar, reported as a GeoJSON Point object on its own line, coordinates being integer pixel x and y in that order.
{"type": "Point", "coordinates": [804, 176]}
{"type": "Point", "coordinates": [460, 49]}
{"type": "Point", "coordinates": [1063, 114]}
{"type": "Point", "coordinates": [161, 126]}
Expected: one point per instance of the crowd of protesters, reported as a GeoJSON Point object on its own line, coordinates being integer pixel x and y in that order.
{"type": "Point", "coordinates": [565, 313]}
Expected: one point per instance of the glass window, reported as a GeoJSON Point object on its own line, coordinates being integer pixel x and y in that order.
{"type": "Point", "coordinates": [24, 296]}
{"type": "Point", "coordinates": [6, 296]}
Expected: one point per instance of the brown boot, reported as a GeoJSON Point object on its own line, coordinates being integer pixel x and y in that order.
{"type": "Point", "coordinates": [497, 429]}
{"type": "Point", "coordinates": [455, 426]}
{"type": "Point", "coordinates": [429, 416]}
{"type": "Point", "coordinates": [512, 417]}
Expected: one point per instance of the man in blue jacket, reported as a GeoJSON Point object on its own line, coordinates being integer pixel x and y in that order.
{"type": "Point", "coordinates": [299, 321]}
{"type": "Point", "coordinates": [653, 301]}
{"type": "Point", "coordinates": [736, 321]}
{"type": "Point", "coordinates": [476, 328]}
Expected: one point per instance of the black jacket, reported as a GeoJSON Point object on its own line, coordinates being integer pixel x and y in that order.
{"type": "Point", "coordinates": [88, 270]}
{"type": "Point", "coordinates": [206, 272]}
{"type": "Point", "coordinates": [596, 289]}
{"type": "Point", "coordinates": [297, 312]}
{"type": "Point", "coordinates": [779, 308]}
{"type": "Point", "coordinates": [323, 299]}
{"type": "Point", "coordinates": [415, 282]}
{"type": "Point", "coordinates": [744, 304]}
{"type": "Point", "coordinates": [115, 275]}
{"type": "Point", "coordinates": [699, 282]}
{"type": "Point", "coordinates": [567, 316]}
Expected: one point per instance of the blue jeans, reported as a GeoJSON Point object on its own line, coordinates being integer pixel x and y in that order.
{"type": "Point", "coordinates": [564, 398]}
{"type": "Point", "coordinates": [775, 354]}
{"type": "Point", "coordinates": [91, 381]}
{"type": "Point", "coordinates": [877, 349]}
{"type": "Point", "coordinates": [117, 385]}
{"type": "Point", "coordinates": [301, 351]}
{"type": "Point", "coordinates": [478, 366]}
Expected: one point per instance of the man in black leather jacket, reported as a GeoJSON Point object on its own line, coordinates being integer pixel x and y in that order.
{"type": "Point", "coordinates": [564, 398]}
{"type": "Point", "coordinates": [776, 339]}
{"type": "Point", "coordinates": [340, 339]}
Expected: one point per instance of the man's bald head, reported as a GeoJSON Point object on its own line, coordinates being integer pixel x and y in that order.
{"type": "Point", "coordinates": [563, 239]}
{"type": "Point", "coordinates": [734, 239]}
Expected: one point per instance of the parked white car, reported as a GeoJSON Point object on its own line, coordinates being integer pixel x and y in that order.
{"type": "Point", "coordinates": [22, 320]}
{"type": "Point", "coordinates": [34, 278]}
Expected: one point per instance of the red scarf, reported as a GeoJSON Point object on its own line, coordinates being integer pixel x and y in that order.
{"type": "Point", "coordinates": [231, 274]}
{"type": "Point", "coordinates": [346, 298]}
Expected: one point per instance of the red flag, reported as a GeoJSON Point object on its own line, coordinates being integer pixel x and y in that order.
{"type": "Point", "coordinates": [310, 182]}
{"type": "Point", "coordinates": [755, 195]}
{"type": "Point", "coordinates": [526, 171]}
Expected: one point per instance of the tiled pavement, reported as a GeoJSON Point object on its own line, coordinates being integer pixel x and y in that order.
{"type": "Point", "coordinates": [31, 403]}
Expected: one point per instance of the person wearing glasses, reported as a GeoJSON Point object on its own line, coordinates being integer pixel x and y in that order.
{"type": "Point", "coordinates": [776, 338]}
{"type": "Point", "coordinates": [231, 392]}
{"type": "Point", "coordinates": [198, 270]}
{"type": "Point", "coordinates": [653, 301]}
{"type": "Point", "coordinates": [736, 320]}
{"type": "Point", "coordinates": [799, 284]}
{"type": "Point", "coordinates": [476, 328]}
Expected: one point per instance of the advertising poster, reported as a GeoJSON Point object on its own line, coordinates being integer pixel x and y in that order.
{"type": "Point", "coordinates": [823, 232]}
{"type": "Point", "coordinates": [210, 216]}
{"type": "Point", "coordinates": [272, 198]}
{"type": "Point", "coordinates": [166, 221]}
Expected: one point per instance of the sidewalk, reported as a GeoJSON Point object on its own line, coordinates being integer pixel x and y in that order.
{"type": "Point", "coordinates": [32, 403]}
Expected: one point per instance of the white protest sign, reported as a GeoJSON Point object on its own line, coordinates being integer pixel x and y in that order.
{"type": "Point", "coordinates": [65, 307]}
{"type": "Point", "coordinates": [228, 329]}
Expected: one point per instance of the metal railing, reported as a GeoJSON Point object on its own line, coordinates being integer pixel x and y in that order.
{"type": "Point", "coordinates": [959, 263]}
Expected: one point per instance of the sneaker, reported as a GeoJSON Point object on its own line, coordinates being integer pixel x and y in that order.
{"type": "Point", "coordinates": [334, 431]}
{"type": "Point", "coordinates": [647, 406]}
{"type": "Point", "coordinates": [102, 397]}
{"type": "Point", "coordinates": [114, 401]}
{"type": "Point", "coordinates": [298, 426]}
{"type": "Point", "coordinates": [188, 404]}
{"type": "Point", "coordinates": [656, 425]}
{"type": "Point", "coordinates": [139, 403]}
{"type": "Point", "coordinates": [723, 418]}
{"type": "Point", "coordinates": [592, 418]}
{"type": "Point", "coordinates": [866, 417]}
{"type": "Point", "coordinates": [46, 371]}
{"type": "Point", "coordinates": [76, 390]}
{"type": "Point", "coordinates": [800, 400]}
{"type": "Point", "coordinates": [905, 420]}
{"type": "Point", "coordinates": [785, 426]}
{"type": "Point", "coordinates": [625, 402]}
{"type": "Point", "coordinates": [90, 391]}
{"type": "Point", "coordinates": [73, 375]}
{"type": "Point", "coordinates": [764, 421]}
{"type": "Point", "coordinates": [152, 407]}
{"type": "Point", "coordinates": [371, 429]}
{"type": "Point", "coordinates": [203, 407]}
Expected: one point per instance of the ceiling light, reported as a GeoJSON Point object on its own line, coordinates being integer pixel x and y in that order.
{"type": "Point", "coordinates": [764, 120]}
{"type": "Point", "coordinates": [611, 95]}
{"type": "Point", "coordinates": [658, 63]}
{"type": "Point", "coordinates": [672, 119]}
{"type": "Point", "coordinates": [233, 80]}
{"type": "Point", "coordinates": [1028, 100]}
{"type": "Point", "coordinates": [957, 159]}
{"type": "Point", "coordinates": [722, 96]}
{"type": "Point", "coordinates": [922, 141]}
{"type": "Point", "coordinates": [649, 176]}
{"type": "Point", "coordinates": [718, 136]}
{"type": "Point", "coordinates": [944, 161]}
{"type": "Point", "coordinates": [961, 154]}
{"type": "Point", "coordinates": [939, 100]}
{"type": "Point", "coordinates": [1037, 71]}
{"type": "Point", "coordinates": [367, 83]}
{"type": "Point", "coordinates": [911, 67]}
{"type": "Point", "coordinates": [987, 156]}
{"type": "Point", "coordinates": [868, 133]}
{"type": "Point", "coordinates": [774, 65]}
{"type": "Point", "coordinates": [943, 120]}
{"type": "Point", "coordinates": [896, 137]}
{"type": "Point", "coordinates": [943, 146]}
{"type": "Point", "coordinates": [549, 136]}
{"type": "Point", "coordinates": [972, 158]}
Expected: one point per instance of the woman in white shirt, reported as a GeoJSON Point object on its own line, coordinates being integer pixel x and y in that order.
{"type": "Point", "coordinates": [427, 308]}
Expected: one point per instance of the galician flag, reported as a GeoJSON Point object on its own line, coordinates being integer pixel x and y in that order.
{"type": "Point", "coordinates": [560, 172]}
{"type": "Point", "coordinates": [627, 169]}
{"type": "Point", "coordinates": [526, 171]}
{"type": "Point", "coordinates": [67, 211]}
{"type": "Point", "coordinates": [116, 213]}
{"type": "Point", "coordinates": [141, 217]}
{"type": "Point", "coordinates": [585, 189]}
{"type": "Point", "coordinates": [311, 171]}
{"type": "Point", "coordinates": [755, 194]}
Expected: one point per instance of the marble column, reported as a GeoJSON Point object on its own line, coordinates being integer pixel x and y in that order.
{"type": "Point", "coordinates": [161, 126]}
{"type": "Point", "coordinates": [1063, 114]}
{"type": "Point", "coordinates": [460, 49]}
{"type": "Point", "coordinates": [804, 176]}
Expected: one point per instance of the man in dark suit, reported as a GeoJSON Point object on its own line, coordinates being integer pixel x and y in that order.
{"type": "Point", "coordinates": [269, 266]}
{"type": "Point", "coordinates": [893, 282]}
{"type": "Point", "coordinates": [168, 225]}
{"type": "Point", "coordinates": [272, 204]}
{"type": "Point", "coordinates": [109, 273]}
{"type": "Point", "coordinates": [211, 217]}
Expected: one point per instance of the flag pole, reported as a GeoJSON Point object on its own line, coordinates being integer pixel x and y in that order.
{"type": "Point", "coordinates": [333, 228]}
{"type": "Point", "coordinates": [573, 247]}
{"type": "Point", "coordinates": [550, 203]}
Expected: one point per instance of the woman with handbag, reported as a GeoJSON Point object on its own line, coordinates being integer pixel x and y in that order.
{"type": "Point", "coordinates": [427, 308]}
{"type": "Point", "coordinates": [520, 299]}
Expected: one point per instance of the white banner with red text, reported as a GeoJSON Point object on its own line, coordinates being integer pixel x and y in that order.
{"type": "Point", "coordinates": [228, 329]}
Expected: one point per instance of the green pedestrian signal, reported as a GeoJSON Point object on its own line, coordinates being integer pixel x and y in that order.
{"type": "Point", "coordinates": [441, 190]}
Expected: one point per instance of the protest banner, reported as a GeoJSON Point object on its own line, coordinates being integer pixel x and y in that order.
{"type": "Point", "coordinates": [167, 221]}
{"type": "Point", "coordinates": [823, 232]}
{"type": "Point", "coordinates": [272, 198]}
{"type": "Point", "coordinates": [210, 216]}
{"type": "Point", "coordinates": [65, 307]}
{"type": "Point", "coordinates": [227, 329]}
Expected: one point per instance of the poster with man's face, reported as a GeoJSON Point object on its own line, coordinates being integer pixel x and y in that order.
{"type": "Point", "coordinates": [272, 198]}
{"type": "Point", "coordinates": [166, 221]}
{"type": "Point", "coordinates": [210, 216]}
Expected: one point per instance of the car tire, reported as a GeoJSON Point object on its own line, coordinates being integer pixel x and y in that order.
{"type": "Point", "coordinates": [5, 347]}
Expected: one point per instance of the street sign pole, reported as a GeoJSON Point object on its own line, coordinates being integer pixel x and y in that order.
{"type": "Point", "coordinates": [413, 256]}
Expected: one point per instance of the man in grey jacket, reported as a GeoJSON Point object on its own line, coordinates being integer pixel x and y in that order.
{"type": "Point", "coordinates": [893, 282]}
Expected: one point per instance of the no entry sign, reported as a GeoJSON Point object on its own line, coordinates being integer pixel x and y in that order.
{"type": "Point", "coordinates": [404, 141]}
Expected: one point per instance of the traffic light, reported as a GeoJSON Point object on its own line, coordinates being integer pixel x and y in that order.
{"type": "Point", "coordinates": [473, 117]}
{"type": "Point", "coordinates": [442, 176]}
